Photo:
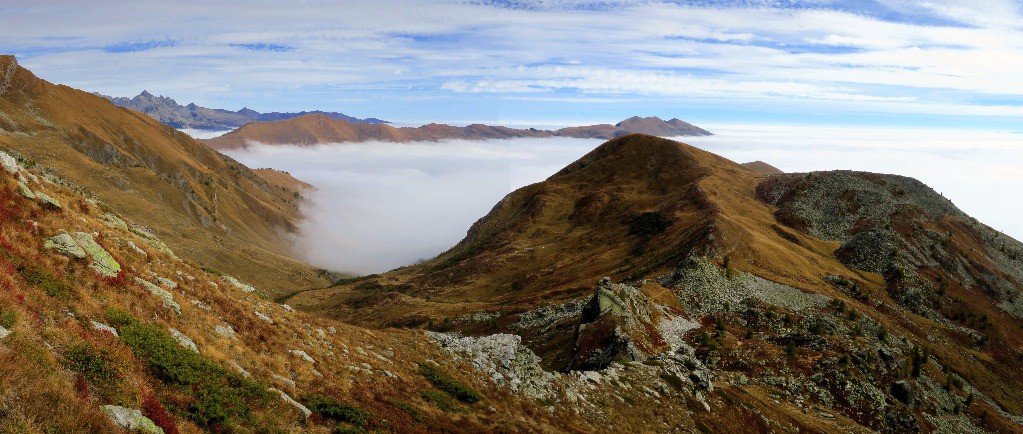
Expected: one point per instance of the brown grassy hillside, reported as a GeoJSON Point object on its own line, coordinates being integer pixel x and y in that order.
{"type": "Point", "coordinates": [319, 129]}
{"type": "Point", "coordinates": [191, 196]}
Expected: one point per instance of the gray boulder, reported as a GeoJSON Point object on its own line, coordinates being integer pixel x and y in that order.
{"type": "Point", "coordinates": [131, 419]}
{"type": "Point", "coordinates": [102, 262]}
{"type": "Point", "coordinates": [9, 163]}
{"type": "Point", "coordinates": [65, 245]}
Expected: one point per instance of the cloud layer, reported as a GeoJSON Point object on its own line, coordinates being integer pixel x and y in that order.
{"type": "Point", "coordinates": [383, 205]}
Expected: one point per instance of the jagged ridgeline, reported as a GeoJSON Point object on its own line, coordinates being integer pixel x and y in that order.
{"type": "Point", "coordinates": [863, 301]}
{"type": "Point", "coordinates": [204, 205]}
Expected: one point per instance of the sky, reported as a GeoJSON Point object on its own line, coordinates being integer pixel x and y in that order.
{"type": "Point", "coordinates": [937, 63]}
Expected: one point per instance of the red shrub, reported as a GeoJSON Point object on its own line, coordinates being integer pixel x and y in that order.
{"type": "Point", "coordinates": [152, 408]}
{"type": "Point", "coordinates": [81, 386]}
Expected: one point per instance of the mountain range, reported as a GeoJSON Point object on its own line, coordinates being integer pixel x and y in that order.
{"type": "Point", "coordinates": [319, 129]}
{"type": "Point", "coordinates": [649, 286]}
{"type": "Point", "coordinates": [191, 116]}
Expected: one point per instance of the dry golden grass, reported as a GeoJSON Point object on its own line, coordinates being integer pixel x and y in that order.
{"type": "Point", "coordinates": [194, 198]}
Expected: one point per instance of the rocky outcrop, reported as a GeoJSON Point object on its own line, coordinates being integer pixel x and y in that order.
{"type": "Point", "coordinates": [602, 336]}
{"type": "Point", "coordinates": [130, 419]}
{"type": "Point", "coordinates": [503, 359]}
{"type": "Point", "coordinates": [102, 262]}
{"type": "Point", "coordinates": [65, 245]}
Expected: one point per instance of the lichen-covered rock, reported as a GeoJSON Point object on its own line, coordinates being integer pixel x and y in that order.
{"type": "Point", "coordinates": [65, 245]}
{"type": "Point", "coordinates": [183, 339]}
{"type": "Point", "coordinates": [114, 221]}
{"type": "Point", "coordinates": [163, 294]}
{"type": "Point", "coordinates": [263, 317]}
{"type": "Point", "coordinates": [24, 190]}
{"type": "Point", "coordinates": [104, 328]}
{"type": "Point", "coordinates": [303, 355]}
{"type": "Point", "coordinates": [165, 282]}
{"type": "Point", "coordinates": [9, 163]}
{"type": "Point", "coordinates": [152, 240]}
{"type": "Point", "coordinates": [45, 200]}
{"type": "Point", "coordinates": [102, 262]}
{"type": "Point", "coordinates": [133, 246]}
{"type": "Point", "coordinates": [225, 330]}
{"type": "Point", "coordinates": [287, 398]}
{"type": "Point", "coordinates": [237, 284]}
{"type": "Point", "coordinates": [4, 332]}
{"type": "Point", "coordinates": [130, 418]}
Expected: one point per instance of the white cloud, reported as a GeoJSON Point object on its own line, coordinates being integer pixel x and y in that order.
{"type": "Point", "coordinates": [381, 205]}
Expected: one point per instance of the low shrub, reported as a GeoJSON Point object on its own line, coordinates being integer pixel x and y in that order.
{"type": "Point", "coordinates": [439, 399]}
{"type": "Point", "coordinates": [333, 409]}
{"type": "Point", "coordinates": [649, 224]}
{"type": "Point", "coordinates": [7, 318]}
{"type": "Point", "coordinates": [52, 286]}
{"type": "Point", "coordinates": [95, 365]}
{"type": "Point", "coordinates": [220, 395]}
{"type": "Point", "coordinates": [444, 382]}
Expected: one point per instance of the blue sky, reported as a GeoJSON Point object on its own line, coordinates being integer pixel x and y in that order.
{"type": "Point", "coordinates": [950, 64]}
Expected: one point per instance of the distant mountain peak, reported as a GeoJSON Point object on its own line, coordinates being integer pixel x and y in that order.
{"type": "Point", "coordinates": [315, 128]}
{"type": "Point", "coordinates": [169, 112]}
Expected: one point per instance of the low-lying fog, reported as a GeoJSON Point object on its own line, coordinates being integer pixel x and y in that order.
{"type": "Point", "coordinates": [381, 205]}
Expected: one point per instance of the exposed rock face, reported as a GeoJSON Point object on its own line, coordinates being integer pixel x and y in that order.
{"type": "Point", "coordinates": [102, 262]}
{"type": "Point", "coordinates": [131, 419]}
{"type": "Point", "coordinates": [602, 337]}
{"type": "Point", "coordinates": [4, 332]}
{"type": "Point", "coordinates": [65, 245]}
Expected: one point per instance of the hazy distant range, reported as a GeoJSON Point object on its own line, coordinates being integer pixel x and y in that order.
{"type": "Point", "coordinates": [169, 112]}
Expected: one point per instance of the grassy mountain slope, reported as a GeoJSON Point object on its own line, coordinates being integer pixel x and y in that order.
{"type": "Point", "coordinates": [191, 196]}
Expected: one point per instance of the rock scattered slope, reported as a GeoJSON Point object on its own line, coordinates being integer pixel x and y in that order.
{"type": "Point", "coordinates": [318, 129]}
{"type": "Point", "coordinates": [169, 112]}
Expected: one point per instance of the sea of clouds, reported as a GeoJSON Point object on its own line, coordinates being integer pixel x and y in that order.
{"type": "Point", "coordinates": [380, 205]}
